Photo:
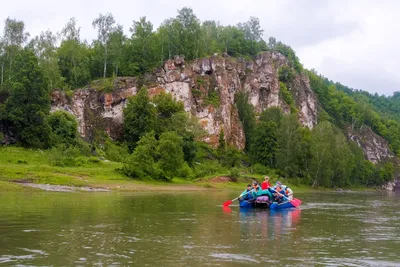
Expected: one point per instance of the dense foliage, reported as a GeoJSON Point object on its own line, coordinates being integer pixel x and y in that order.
{"type": "Point", "coordinates": [75, 62]}
{"type": "Point", "coordinates": [357, 109]}
{"type": "Point", "coordinates": [160, 140]}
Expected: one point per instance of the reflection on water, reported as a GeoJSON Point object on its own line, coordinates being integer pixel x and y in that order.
{"type": "Point", "coordinates": [268, 225]}
{"type": "Point", "coordinates": [181, 229]}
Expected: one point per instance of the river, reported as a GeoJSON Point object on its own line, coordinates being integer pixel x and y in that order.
{"type": "Point", "coordinates": [192, 229]}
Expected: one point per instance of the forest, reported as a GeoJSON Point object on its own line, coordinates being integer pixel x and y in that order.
{"type": "Point", "coordinates": [160, 140]}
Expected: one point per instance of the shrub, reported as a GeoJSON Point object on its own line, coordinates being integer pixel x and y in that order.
{"type": "Point", "coordinates": [170, 154]}
{"type": "Point", "coordinates": [208, 167]}
{"type": "Point", "coordinates": [93, 160]}
{"type": "Point", "coordinates": [286, 95]}
{"type": "Point", "coordinates": [259, 169]}
{"type": "Point", "coordinates": [234, 174]}
{"type": "Point", "coordinates": [286, 74]}
{"type": "Point", "coordinates": [64, 156]}
{"type": "Point", "coordinates": [64, 128]}
{"type": "Point", "coordinates": [212, 99]}
{"type": "Point", "coordinates": [186, 172]}
{"type": "Point", "coordinates": [114, 152]}
{"type": "Point", "coordinates": [141, 164]}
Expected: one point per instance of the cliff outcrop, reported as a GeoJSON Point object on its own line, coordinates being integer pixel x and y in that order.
{"type": "Point", "coordinates": [207, 87]}
{"type": "Point", "coordinates": [374, 146]}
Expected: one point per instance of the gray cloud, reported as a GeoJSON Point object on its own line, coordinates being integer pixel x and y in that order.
{"type": "Point", "coordinates": [309, 23]}
{"type": "Point", "coordinates": [364, 75]}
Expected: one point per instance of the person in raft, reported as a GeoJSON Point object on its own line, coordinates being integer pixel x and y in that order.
{"type": "Point", "coordinates": [246, 195]}
{"type": "Point", "coordinates": [256, 189]}
{"type": "Point", "coordinates": [266, 184]}
{"type": "Point", "coordinates": [280, 194]}
{"type": "Point", "coordinates": [288, 191]}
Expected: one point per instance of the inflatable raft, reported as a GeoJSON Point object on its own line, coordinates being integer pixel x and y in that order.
{"type": "Point", "coordinates": [261, 201]}
{"type": "Point", "coordinates": [283, 205]}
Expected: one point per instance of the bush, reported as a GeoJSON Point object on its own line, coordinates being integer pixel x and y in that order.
{"type": "Point", "coordinates": [93, 160]}
{"type": "Point", "coordinates": [234, 174]}
{"type": "Point", "coordinates": [64, 128]}
{"type": "Point", "coordinates": [171, 156]}
{"type": "Point", "coordinates": [231, 157]}
{"type": "Point", "coordinates": [141, 164]}
{"type": "Point", "coordinates": [259, 169]}
{"type": "Point", "coordinates": [212, 98]}
{"type": "Point", "coordinates": [208, 167]}
{"type": "Point", "coordinates": [286, 74]}
{"type": "Point", "coordinates": [64, 156]}
{"type": "Point", "coordinates": [114, 152]}
{"type": "Point", "coordinates": [287, 96]}
{"type": "Point", "coordinates": [186, 172]}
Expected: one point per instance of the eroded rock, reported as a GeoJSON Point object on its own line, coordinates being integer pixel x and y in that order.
{"type": "Point", "coordinates": [374, 146]}
{"type": "Point", "coordinates": [207, 87]}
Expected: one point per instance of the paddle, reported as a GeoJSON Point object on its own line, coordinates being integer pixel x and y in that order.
{"type": "Point", "coordinates": [295, 202]}
{"type": "Point", "coordinates": [227, 203]}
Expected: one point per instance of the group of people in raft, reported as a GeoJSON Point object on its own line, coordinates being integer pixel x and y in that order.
{"type": "Point", "coordinates": [266, 192]}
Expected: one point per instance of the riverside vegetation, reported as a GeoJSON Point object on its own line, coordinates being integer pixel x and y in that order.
{"type": "Point", "coordinates": [161, 142]}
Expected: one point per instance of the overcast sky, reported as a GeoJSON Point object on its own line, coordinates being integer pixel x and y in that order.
{"type": "Point", "coordinates": [354, 42]}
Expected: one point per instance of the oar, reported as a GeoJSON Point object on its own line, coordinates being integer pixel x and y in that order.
{"type": "Point", "coordinates": [227, 203]}
{"type": "Point", "coordinates": [295, 202]}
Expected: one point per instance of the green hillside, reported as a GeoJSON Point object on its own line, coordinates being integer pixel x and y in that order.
{"type": "Point", "coordinates": [160, 141]}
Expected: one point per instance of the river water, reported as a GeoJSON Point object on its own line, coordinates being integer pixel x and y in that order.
{"type": "Point", "coordinates": [192, 229]}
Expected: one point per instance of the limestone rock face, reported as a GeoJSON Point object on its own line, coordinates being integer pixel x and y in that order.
{"type": "Point", "coordinates": [207, 88]}
{"type": "Point", "coordinates": [374, 146]}
{"type": "Point", "coordinates": [95, 110]}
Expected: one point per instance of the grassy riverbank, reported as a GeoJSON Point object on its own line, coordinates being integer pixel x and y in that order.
{"type": "Point", "coordinates": [19, 165]}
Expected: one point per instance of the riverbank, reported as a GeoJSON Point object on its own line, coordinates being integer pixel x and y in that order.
{"type": "Point", "coordinates": [28, 170]}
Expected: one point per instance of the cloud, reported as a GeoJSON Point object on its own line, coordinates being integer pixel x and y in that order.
{"type": "Point", "coordinates": [363, 75]}
{"type": "Point", "coordinates": [305, 23]}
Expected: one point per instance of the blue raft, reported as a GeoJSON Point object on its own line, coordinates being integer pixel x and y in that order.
{"type": "Point", "coordinates": [284, 205]}
{"type": "Point", "coordinates": [272, 206]}
{"type": "Point", "coordinates": [261, 201]}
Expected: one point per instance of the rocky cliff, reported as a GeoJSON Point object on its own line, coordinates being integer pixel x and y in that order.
{"type": "Point", "coordinates": [207, 87]}
{"type": "Point", "coordinates": [374, 146]}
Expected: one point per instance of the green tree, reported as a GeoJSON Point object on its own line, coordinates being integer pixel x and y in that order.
{"type": "Point", "coordinates": [209, 35]}
{"type": "Point", "coordinates": [182, 34]}
{"type": "Point", "coordinates": [386, 172]}
{"type": "Point", "coordinates": [64, 128]}
{"type": "Point", "coordinates": [142, 52]}
{"type": "Point", "coordinates": [171, 154]}
{"type": "Point", "coordinates": [221, 141]}
{"type": "Point", "coordinates": [273, 114]}
{"type": "Point", "coordinates": [246, 116]}
{"type": "Point", "coordinates": [332, 161]}
{"type": "Point", "coordinates": [44, 47]}
{"type": "Point", "coordinates": [105, 27]}
{"type": "Point", "coordinates": [264, 144]}
{"type": "Point", "coordinates": [139, 118]}
{"type": "Point", "coordinates": [286, 74]}
{"type": "Point", "coordinates": [14, 37]}
{"type": "Point", "coordinates": [117, 44]}
{"type": "Point", "coordinates": [73, 56]}
{"type": "Point", "coordinates": [289, 138]}
{"type": "Point", "coordinates": [29, 100]}
{"type": "Point", "coordinates": [2, 61]}
{"type": "Point", "coordinates": [142, 162]}
{"type": "Point", "coordinates": [287, 96]}
{"type": "Point", "coordinates": [253, 33]}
